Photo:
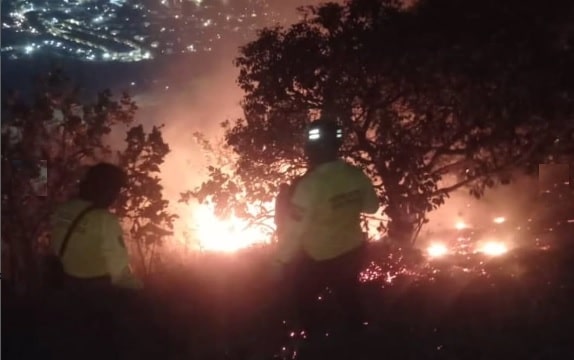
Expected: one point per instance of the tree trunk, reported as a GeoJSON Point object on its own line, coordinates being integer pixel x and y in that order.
{"type": "Point", "coordinates": [402, 232]}
{"type": "Point", "coordinates": [402, 227]}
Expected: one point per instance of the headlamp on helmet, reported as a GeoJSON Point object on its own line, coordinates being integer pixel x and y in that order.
{"type": "Point", "coordinates": [322, 130]}
{"type": "Point", "coordinates": [314, 134]}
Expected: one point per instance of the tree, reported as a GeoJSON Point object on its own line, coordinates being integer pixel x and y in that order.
{"type": "Point", "coordinates": [57, 126]}
{"type": "Point", "coordinates": [142, 206]}
{"type": "Point", "coordinates": [440, 96]}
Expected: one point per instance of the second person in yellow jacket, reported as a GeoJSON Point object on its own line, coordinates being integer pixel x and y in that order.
{"type": "Point", "coordinates": [107, 312]}
{"type": "Point", "coordinates": [321, 237]}
{"type": "Point", "coordinates": [95, 250]}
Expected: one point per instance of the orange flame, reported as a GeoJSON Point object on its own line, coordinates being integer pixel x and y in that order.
{"type": "Point", "coordinates": [437, 250]}
{"type": "Point", "coordinates": [494, 248]}
{"type": "Point", "coordinates": [460, 225]}
{"type": "Point", "coordinates": [224, 235]}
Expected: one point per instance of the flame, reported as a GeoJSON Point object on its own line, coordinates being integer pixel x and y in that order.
{"type": "Point", "coordinates": [437, 250]}
{"type": "Point", "coordinates": [224, 235]}
{"type": "Point", "coordinates": [499, 220]}
{"type": "Point", "coordinates": [460, 225]}
{"type": "Point", "coordinates": [494, 248]}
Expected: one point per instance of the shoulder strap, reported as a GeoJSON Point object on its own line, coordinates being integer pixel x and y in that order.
{"type": "Point", "coordinates": [72, 227]}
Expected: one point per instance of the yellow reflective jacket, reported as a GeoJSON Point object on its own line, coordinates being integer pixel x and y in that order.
{"type": "Point", "coordinates": [95, 247]}
{"type": "Point", "coordinates": [325, 212]}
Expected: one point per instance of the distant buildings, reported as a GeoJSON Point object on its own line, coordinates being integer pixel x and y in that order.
{"type": "Point", "coordinates": [126, 30]}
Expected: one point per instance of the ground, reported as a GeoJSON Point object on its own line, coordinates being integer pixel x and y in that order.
{"type": "Point", "coordinates": [517, 306]}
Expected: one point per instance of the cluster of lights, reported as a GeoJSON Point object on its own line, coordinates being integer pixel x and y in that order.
{"type": "Point", "coordinates": [99, 37]}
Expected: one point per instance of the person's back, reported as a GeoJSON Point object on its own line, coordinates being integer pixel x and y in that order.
{"type": "Point", "coordinates": [322, 240]}
{"type": "Point", "coordinates": [341, 193]}
{"type": "Point", "coordinates": [325, 208]}
{"type": "Point", "coordinates": [95, 248]}
{"type": "Point", "coordinates": [98, 280]}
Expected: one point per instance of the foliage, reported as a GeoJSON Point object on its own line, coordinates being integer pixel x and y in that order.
{"type": "Point", "coordinates": [55, 125]}
{"type": "Point", "coordinates": [433, 98]}
{"type": "Point", "coordinates": [222, 190]}
{"type": "Point", "coordinates": [142, 205]}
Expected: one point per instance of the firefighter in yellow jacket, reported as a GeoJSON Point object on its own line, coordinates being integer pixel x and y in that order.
{"type": "Point", "coordinates": [101, 289]}
{"type": "Point", "coordinates": [95, 251]}
{"type": "Point", "coordinates": [321, 238]}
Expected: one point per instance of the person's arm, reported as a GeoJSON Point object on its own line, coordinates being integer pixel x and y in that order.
{"type": "Point", "coordinates": [281, 203]}
{"type": "Point", "coordinates": [371, 199]}
{"type": "Point", "coordinates": [116, 255]}
{"type": "Point", "coordinates": [299, 217]}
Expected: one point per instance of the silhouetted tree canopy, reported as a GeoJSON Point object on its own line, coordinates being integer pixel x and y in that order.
{"type": "Point", "coordinates": [57, 127]}
{"type": "Point", "coordinates": [443, 95]}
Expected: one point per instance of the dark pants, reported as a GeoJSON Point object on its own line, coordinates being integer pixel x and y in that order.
{"type": "Point", "coordinates": [340, 276]}
{"type": "Point", "coordinates": [104, 321]}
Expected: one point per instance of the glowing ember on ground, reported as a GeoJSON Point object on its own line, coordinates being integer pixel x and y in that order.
{"type": "Point", "coordinates": [437, 250]}
{"type": "Point", "coordinates": [460, 225]}
{"type": "Point", "coordinates": [499, 220]}
{"type": "Point", "coordinates": [225, 235]}
{"type": "Point", "coordinates": [493, 248]}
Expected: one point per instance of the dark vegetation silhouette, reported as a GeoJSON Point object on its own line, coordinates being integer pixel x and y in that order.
{"type": "Point", "coordinates": [440, 96]}
{"type": "Point", "coordinates": [57, 128]}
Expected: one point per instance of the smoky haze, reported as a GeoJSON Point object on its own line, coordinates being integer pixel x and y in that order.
{"type": "Point", "coordinates": [513, 202]}
{"type": "Point", "coordinates": [201, 94]}
{"type": "Point", "coordinates": [206, 93]}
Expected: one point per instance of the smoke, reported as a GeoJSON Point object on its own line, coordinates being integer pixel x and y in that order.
{"type": "Point", "coordinates": [198, 95]}
{"type": "Point", "coordinates": [514, 202]}
{"type": "Point", "coordinates": [199, 104]}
